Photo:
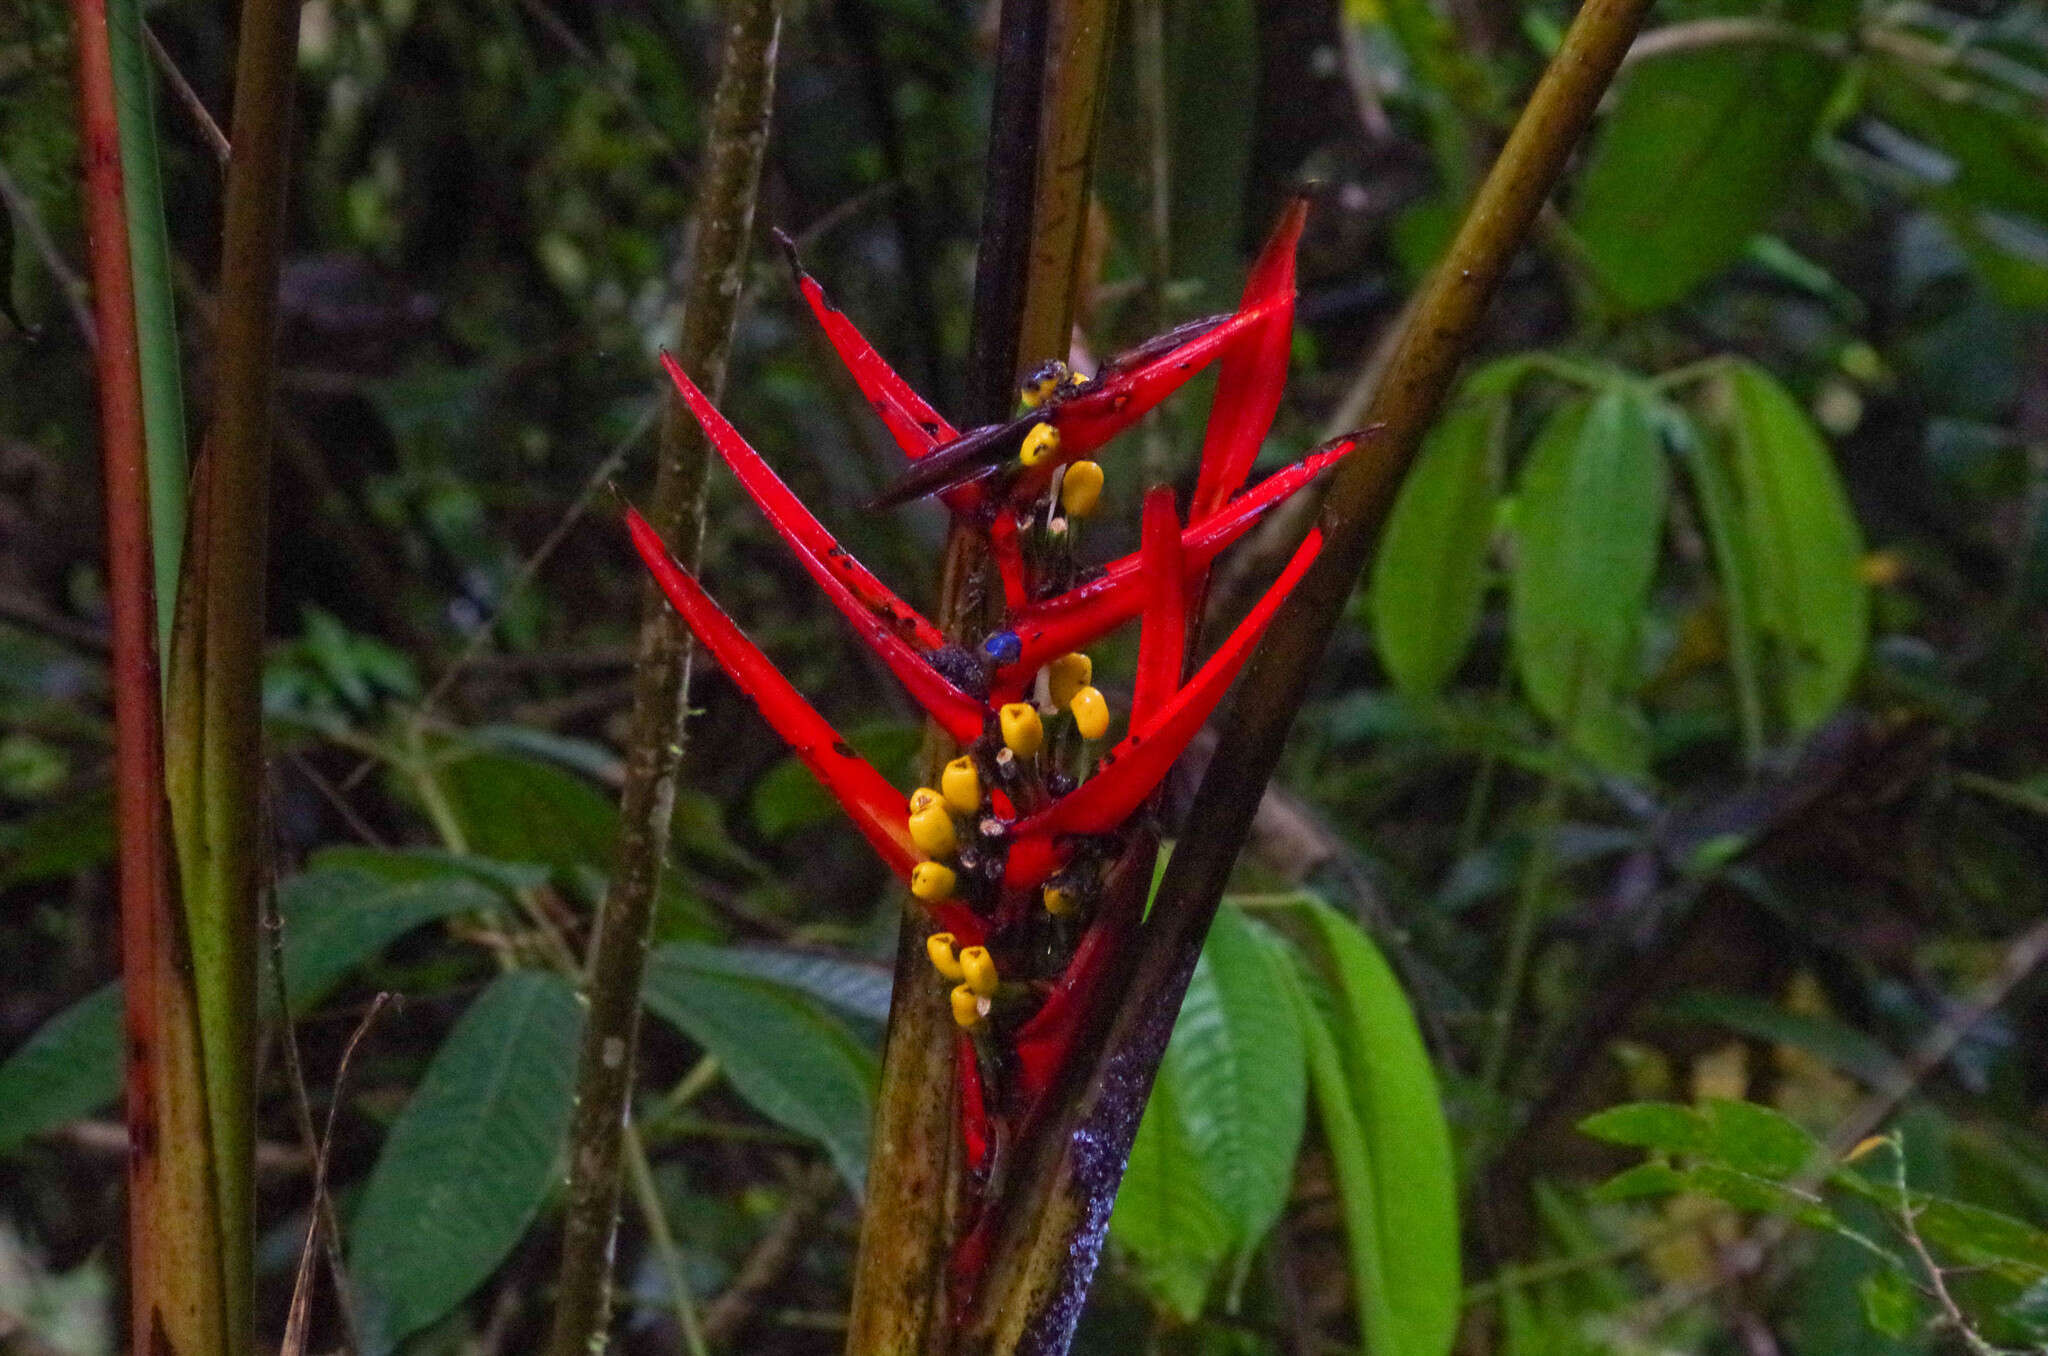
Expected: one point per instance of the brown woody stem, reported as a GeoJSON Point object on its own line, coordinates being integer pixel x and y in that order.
{"type": "Point", "coordinates": [661, 680]}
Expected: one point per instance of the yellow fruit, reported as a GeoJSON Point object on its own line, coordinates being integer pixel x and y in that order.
{"type": "Point", "coordinates": [968, 1008]}
{"type": "Point", "coordinates": [1023, 732]}
{"type": "Point", "coordinates": [932, 830]}
{"type": "Point", "coordinates": [1059, 903]}
{"type": "Point", "coordinates": [1091, 713]}
{"type": "Point", "coordinates": [931, 882]}
{"type": "Point", "coordinates": [1041, 445]}
{"type": "Point", "coordinates": [961, 785]}
{"type": "Point", "coordinates": [939, 948]}
{"type": "Point", "coordinates": [923, 798]}
{"type": "Point", "coordinates": [1067, 675]}
{"type": "Point", "coordinates": [1081, 488]}
{"type": "Point", "coordinates": [980, 969]}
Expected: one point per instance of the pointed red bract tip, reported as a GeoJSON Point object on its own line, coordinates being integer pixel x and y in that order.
{"type": "Point", "coordinates": [1254, 373]}
{"type": "Point", "coordinates": [881, 618]}
{"type": "Point", "coordinates": [874, 806]}
{"type": "Point", "coordinates": [1131, 771]}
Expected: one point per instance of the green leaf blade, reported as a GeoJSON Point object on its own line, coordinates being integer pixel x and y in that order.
{"type": "Point", "coordinates": [470, 1160]}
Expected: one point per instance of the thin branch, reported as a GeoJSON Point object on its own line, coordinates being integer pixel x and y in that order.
{"type": "Point", "coordinates": [187, 97]}
{"type": "Point", "coordinates": [618, 954]}
{"type": "Point", "coordinates": [23, 209]}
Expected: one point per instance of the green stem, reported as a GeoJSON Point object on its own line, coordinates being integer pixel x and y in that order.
{"type": "Point", "coordinates": [618, 955]}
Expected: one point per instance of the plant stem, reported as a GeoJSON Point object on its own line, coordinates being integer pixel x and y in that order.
{"type": "Point", "coordinates": [213, 725]}
{"type": "Point", "coordinates": [176, 1293]}
{"type": "Point", "coordinates": [661, 678]}
{"type": "Point", "coordinates": [1024, 287]}
{"type": "Point", "coordinates": [149, 253]}
{"type": "Point", "coordinates": [1529, 893]}
{"type": "Point", "coordinates": [1060, 1250]}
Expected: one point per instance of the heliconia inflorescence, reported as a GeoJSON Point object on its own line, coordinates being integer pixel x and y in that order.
{"type": "Point", "coordinates": [1023, 855]}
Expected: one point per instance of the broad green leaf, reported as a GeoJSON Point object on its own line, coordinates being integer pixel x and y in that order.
{"type": "Point", "coordinates": [1811, 602]}
{"type": "Point", "coordinates": [853, 986]}
{"type": "Point", "coordinates": [524, 810]}
{"type": "Point", "coordinates": [71, 1067]}
{"type": "Point", "coordinates": [1164, 1215]}
{"type": "Point", "coordinates": [1664, 1126]}
{"type": "Point", "coordinates": [52, 843]}
{"type": "Point", "coordinates": [1890, 1304]}
{"type": "Point", "coordinates": [470, 1159]}
{"type": "Point", "coordinates": [1654, 1178]}
{"type": "Point", "coordinates": [1699, 151]}
{"type": "Point", "coordinates": [1841, 1046]}
{"type": "Point", "coordinates": [1430, 576]}
{"type": "Point", "coordinates": [334, 920]}
{"type": "Point", "coordinates": [1756, 1139]}
{"type": "Point", "coordinates": [1376, 1096]}
{"type": "Point", "coordinates": [1735, 565]}
{"type": "Point", "coordinates": [792, 1063]}
{"type": "Point", "coordinates": [1588, 523]}
{"type": "Point", "coordinates": [1237, 1061]}
{"type": "Point", "coordinates": [1979, 1236]}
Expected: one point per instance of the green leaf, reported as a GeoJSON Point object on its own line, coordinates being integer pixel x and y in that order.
{"type": "Point", "coordinates": [335, 920]}
{"type": "Point", "coordinates": [1743, 1136]}
{"type": "Point", "coordinates": [1238, 1064]}
{"type": "Point", "coordinates": [1700, 150]}
{"type": "Point", "coordinates": [1810, 601]}
{"type": "Point", "coordinates": [1841, 1046]}
{"type": "Point", "coordinates": [524, 810]}
{"type": "Point", "coordinates": [53, 843]}
{"type": "Point", "coordinates": [1430, 578]}
{"type": "Point", "coordinates": [1588, 522]}
{"type": "Point", "coordinates": [792, 1063]}
{"type": "Point", "coordinates": [470, 1159]}
{"type": "Point", "coordinates": [1756, 1139]}
{"type": "Point", "coordinates": [1164, 1215]}
{"type": "Point", "coordinates": [1654, 1178]}
{"type": "Point", "coordinates": [1664, 1126]}
{"type": "Point", "coordinates": [71, 1067]}
{"type": "Point", "coordinates": [1735, 564]}
{"type": "Point", "coordinates": [1383, 1121]}
{"type": "Point", "coordinates": [853, 986]}
{"type": "Point", "coordinates": [1981, 1237]}
{"type": "Point", "coordinates": [1890, 1304]}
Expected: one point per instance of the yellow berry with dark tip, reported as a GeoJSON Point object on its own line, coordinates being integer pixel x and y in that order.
{"type": "Point", "coordinates": [1041, 445]}
{"type": "Point", "coordinates": [980, 970]}
{"type": "Point", "coordinates": [1067, 675]}
{"type": "Point", "coordinates": [1081, 488]}
{"type": "Point", "coordinates": [1091, 712]}
{"type": "Point", "coordinates": [1059, 903]}
{"type": "Point", "coordinates": [923, 798]}
{"type": "Point", "coordinates": [1023, 732]}
{"type": "Point", "coordinates": [932, 882]}
{"type": "Point", "coordinates": [968, 1008]}
{"type": "Point", "coordinates": [939, 949]}
{"type": "Point", "coordinates": [932, 830]}
{"type": "Point", "coordinates": [961, 785]}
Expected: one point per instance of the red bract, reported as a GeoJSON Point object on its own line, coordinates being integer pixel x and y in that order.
{"type": "Point", "coordinates": [1030, 853]}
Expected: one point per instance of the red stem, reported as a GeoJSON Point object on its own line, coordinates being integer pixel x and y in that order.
{"type": "Point", "coordinates": [148, 930]}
